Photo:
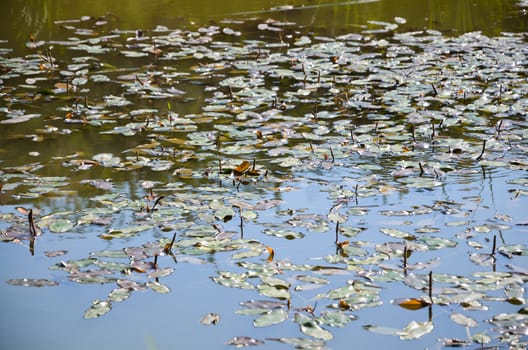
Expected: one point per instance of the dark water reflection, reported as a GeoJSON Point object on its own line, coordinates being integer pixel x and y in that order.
{"type": "Point", "coordinates": [330, 17]}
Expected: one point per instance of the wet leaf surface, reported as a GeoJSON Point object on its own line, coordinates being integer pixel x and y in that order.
{"type": "Point", "coordinates": [210, 319]}
{"type": "Point", "coordinates": [243, 341]}
{"type": "Point", "coordinates": [98, 308]}
{"type": "Point", "coordinates": [271, 317]}
{"type": "Point", "coordinates": [28, 282]}
{"type": "Point", "coordinates": [310, 327]}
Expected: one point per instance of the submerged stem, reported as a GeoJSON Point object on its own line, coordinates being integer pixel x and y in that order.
{"type": "Point", "coordinates": [405, 260]}
{"type": "Point", "coordinates": [483, 149]}
{"type": "Point", "coordinates": [431, 286]}
{"type": "Point", "coordinates": [32, 229]}
{"type": "Point", "coordinates": [168, 247]}
{"type": "Point", "coordinates": [494, 245]}
{"type": "Point", "coordinates": [156, 203]}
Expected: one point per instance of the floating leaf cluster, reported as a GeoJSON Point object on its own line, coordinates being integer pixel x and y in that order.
{"type": "Point", "coordinates": [359, 119]}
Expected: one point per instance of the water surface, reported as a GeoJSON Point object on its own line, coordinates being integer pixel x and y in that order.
{"type": "Point", "coordinates": [370, 114]}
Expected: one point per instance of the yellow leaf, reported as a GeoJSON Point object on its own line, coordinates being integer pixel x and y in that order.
{"type": "Point", "coordinates": [342, 244]}
{"type": "Point", "coordinates": [344, 305]}
{"type": "Point", "coordinates": [242, 168]}
{"type": "Point", "coordinates": [271, 254]}
{"type": "Point", "coordinates": [412, 303]}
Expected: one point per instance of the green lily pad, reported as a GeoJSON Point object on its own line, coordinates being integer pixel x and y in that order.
{"type": "Point", "coordinates": [98, 308]}
{"type": "Point", "coordinates": [335, 318]}
{"type": "Point", "coordinates": [158, 287]}
{"type": "Point", "coordinates": [271, 317]}
{"type": "Point", "coordinates": [273, 292]}
{"type": "Point", "coordinates": [416, 330]}
{"type": "Point", "coordinates": [210, 319]}
{"type": "Point", "coordinates": [310, 327]}
{"type": "Point", "coordinates": [288, 234]}
{"type": "Point", "coordinates": [463, 320]}
{"type": "Point", "coordinates": [119, 294]}
{"type": "Point", "coordinates": [233, 280]}
{"type": "Point", "coordinates": [61, 226]}
{"type": "Point", "coordinates": [29, 282]}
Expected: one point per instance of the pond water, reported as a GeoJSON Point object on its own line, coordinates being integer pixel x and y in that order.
{"type": "Point", "coordinates": [303, 174]}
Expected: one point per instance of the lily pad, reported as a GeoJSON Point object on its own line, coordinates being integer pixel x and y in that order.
{"type": "Point", "coordinates": [270, 318]}
{"type": "Point", "coordinates": [61, 226]}
{"type": "Point", "coordinates": [310, 327]}
{"type": "Point", "coordinates": [98, 308]}
{"type": "Point", "coordinates": [29, 282]}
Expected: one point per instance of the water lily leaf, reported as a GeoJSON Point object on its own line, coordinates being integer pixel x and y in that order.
{"type": "Point", "coordinates": [158, 287]}
{"type": "Point", "coordinates": [119, 294]}
{"type": "Point", "coordinates": [247, 254]}
{"type": "Point", "coordinates": [131, 285]}
{"type": "Point", "coordinates": [29, 282]}
{"type": "Point", "coordinates": [424, 265]}
{"type": "Point", "coordinates": [455, 342]}
{"type": "Point", "coordinates": [61, 225]}
{"type": "Point", "coordinates": [396, 233]}
{"type": "Point", "coordinates": [417, 281]}
{"type": "Point", "coordinates": [381, 329]}
{"type": "Point", "coordinates": [73, 265]}
{"type": "Point", "coordinates": [481, 338]}
{"type": "Point", "coordinates": [98, 308]}
{"type": "Point", "coordinates": [92, 277]}
{"type": "Point", "coordinates": [412, 303]}
{"type": "Point", "coordinates": [191, 260]}
{"type": "Point", "coordinates": [312, 279]}
{"type": "Point", "coordinates": [336, 217]}
{"type": "Point", "coordinates": [249, 215]}
{"type": "Point", "coordinates": [116, 101]}
{"type": "Point", "coordinates": [335, 318]}
{"type": "Point", "coordinates": [511, 250]}
{"type": "Point", "coordinates": [19, 119]}
{"type": "Point", "coordinates": [117, 254]}
{"type": "Point", "coordinates": [310, 327]}
{"type": "Point", "coordinates": [241, 342]}
{"type": "Point", "coordinates": [301, 343]}
{"type": "Point", "coordinates": [161, 272]}
{"type": "Point", "coordinates": [483, 259]}
{"type": "Point", "coordinates": [124, 232]}
{"type": "Point", "coordinates": [271, 317]}
{"type": "Point", "coordinates": [111, 265]}
{"type": "Point", "coordinates": [435, 243]}
{"type": "Point", "coordinates": [276, 282]}
{"type": "Point", "coordinates": [273, 292]}
{"type": "Point", "coordinates": [210, 319]}
{"type": "Point", "coordinates": [128, 53]}
{"type": "Point", "coordinates": [233, 280]}
{"type": "Point", "coordinates": [55, 253]}
{"type": "Point", "coordinates": [262, 304]}
{"type": "Point", "coordinates": [224, 213]}
{"type": "Point", "coordinates": [183, 173]}
{"type": "Point", "coordinates": [415, 330]}
{"type": "Point", "coordinates": [107, 159]}
{"type": "Point", "coordinates": [288, 234]}
{"type": "Point", "coordinates": [515, 294]}
{"type": "Point", "coordinates": [463, 320]}
{"type": "Point", "coordinates": [242, 168]}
